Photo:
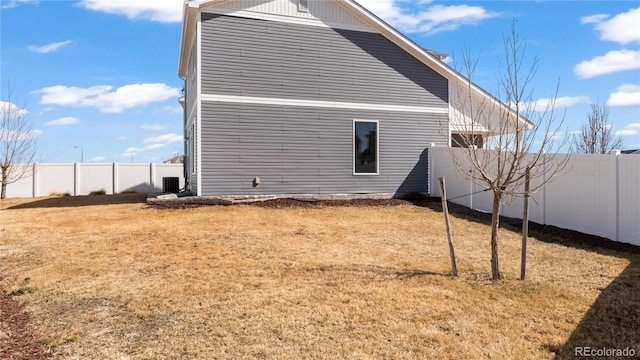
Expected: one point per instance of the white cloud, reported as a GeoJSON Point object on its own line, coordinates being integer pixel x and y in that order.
{"type": "Point", "coordinates": [166, 138]}
{"type": "Point", "coordinates": [622, 28]}
{"type": "Point", "coordinates": [431, 19]}
{"type": "Point", "coordinates": [560, 102]}
{"type": "Point", "coordinates": [107, 101]}
{"type": "Point", "coordinates": [630, 130]}
{"type": "Point", "coordinates": [120, 138]}
{"type": "Point", "coordinates": [627, 94]}
{"type": "Point", "coordinates": [97, 158]}
{"type": "Point", "coordinates": [152, 127]}
{"type": "Point", "coordinates": [32, 134]}
{"type": "Point", "coordinates": [14, 3]}
{"type": "Point", "coordinates": [136, 150]}
{"type": "Point", "coordinates": [11, 111]}
{"type": "Point", "coordinates": [63, 121]}
{"type": "Point", "coordinates": [45, 49]}
{"type": "Point", "coordinates": [133, 150]}
{"type": "Point", "coordinates": [159, 10]}
{"type": "Point", "coordinates": [627, 132]}
{"type": "Point", "coordinates": [153, 146]}
{"type": "Point", "coordinates": [593, 19]}
{"type": "Point", "coordinates": [613, 61]}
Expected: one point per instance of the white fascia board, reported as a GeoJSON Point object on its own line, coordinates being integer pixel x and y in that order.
{"type": "Point", "coordinates": [190, 13]}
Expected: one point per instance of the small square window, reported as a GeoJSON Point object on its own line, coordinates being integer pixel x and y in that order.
{"type": "Point", "coordinates": [303, 5]}
{"type": "Point", "coordinates": [365, 147]}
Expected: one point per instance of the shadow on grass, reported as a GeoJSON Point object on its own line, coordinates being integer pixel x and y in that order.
{"type": "Point", "coordinates": [373, 271]}
{"type": "Point", "coordinates": [87, 200]}
{"type": "Point", "coordinates": [613, 321]}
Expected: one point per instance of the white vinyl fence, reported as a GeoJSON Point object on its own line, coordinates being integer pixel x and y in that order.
{"type": "Point", "coordinates": [596, 194]}
{"type": "Point", "coordinates": [83, 178]}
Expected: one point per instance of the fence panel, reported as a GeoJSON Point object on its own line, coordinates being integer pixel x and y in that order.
{"type": "Point", "coordinates": [595, 194]}
{"type": "Point", "coordinates": [58, 178]}
{"type": "Point", "coordinates": [83, 178]}
{"type": "Point", "coordinates": [95, 177]}
{"type": "Point", "coordinates": [134, 177]}
{"type": "Point", "coordinates": [629, 199]}
{"type": "Point", "coordinates": [584, 198]}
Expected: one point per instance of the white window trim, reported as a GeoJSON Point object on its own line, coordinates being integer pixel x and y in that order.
{"type": "Point", "coordinates": [353, 147]}
{"type": "Point", "coordinates": [194, 148]}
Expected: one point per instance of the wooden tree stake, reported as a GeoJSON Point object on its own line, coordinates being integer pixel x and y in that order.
{"type": "Point", "coordinates": [525, 226]}
{"type": "Point", "coordinates": [445, 210]}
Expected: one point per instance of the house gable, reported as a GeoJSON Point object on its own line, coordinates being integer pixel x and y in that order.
{"type": "Point", "coordinates": [336, 14]}
{"type": "Point", "coordinates": [315, 13]}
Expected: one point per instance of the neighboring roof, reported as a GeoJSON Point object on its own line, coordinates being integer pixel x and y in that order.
{"type": "Point", "coordinates": [427, 57]}
{"type": "Point", "coordinates": [175, 160]}
{"type": "Point", "coordinates": [633, 151]}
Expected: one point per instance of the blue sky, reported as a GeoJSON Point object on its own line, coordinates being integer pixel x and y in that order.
{"type": "Point", "coordinates": [100, 76]}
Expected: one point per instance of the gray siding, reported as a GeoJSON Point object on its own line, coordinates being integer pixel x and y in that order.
{"type": "Point", "coordinates": [309, 150]}
{"type": "Point", "coordinates": [191, 95]}
{"type": "Point", "coordinates": [305, 149]}
{"type": "Point", "coordinates": [246, 57]}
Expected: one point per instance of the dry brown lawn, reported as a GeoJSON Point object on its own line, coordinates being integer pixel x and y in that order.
{"type": "Point", "coordinates": [105, 277]}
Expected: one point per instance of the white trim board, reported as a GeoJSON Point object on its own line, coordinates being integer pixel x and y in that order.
{"type": "Point", "coordinates": [321, 104]}
{"type": "Point", "coordinates": [290, 19]}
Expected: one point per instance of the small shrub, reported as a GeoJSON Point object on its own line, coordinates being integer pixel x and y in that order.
{"type": "Point", "coordinates": [59, 194]}
{"type": "Point", "coordinates": [21, 291]}
{"type": "Point", "coordinates": [98, 192]}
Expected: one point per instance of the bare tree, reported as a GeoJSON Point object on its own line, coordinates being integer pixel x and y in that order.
{"type": "Point", "coordinates": [596, 136]}
{"type": "Point", "coordinates": [18, 141]}
{"type": "Point", "coordinates": [518, 135]}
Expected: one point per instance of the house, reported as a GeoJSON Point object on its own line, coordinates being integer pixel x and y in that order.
{"type": "Point", "coordinates": [310, 97]}
{"type": "Point", "coordinates": [175, 160]}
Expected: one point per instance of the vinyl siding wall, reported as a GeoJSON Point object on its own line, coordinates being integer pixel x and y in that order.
{"type": "Point", "coordinates": [306, 149]}
{"type": "Point", "coordinates": [246, 57]}
{"type": "Point", "coordinates": [191, 94]}
{"type": "Point", "coordinates": [309, 150]}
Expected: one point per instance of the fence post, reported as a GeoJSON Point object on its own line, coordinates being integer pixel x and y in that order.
{"type": "Point", "coordinates": [115, 178]}
{"type": "Point", "coordinates": [34, 178]}
{"type": "Point", "coordinates": [76, 179]}
{"type": "Point", "coordinates": [616, 153]}
{"type": "Point", "coordinates": [544, 188]}
{"type": "Point", "coordinates": [432, 168]}
{"type": "Point", "coordinates": [152, 175]}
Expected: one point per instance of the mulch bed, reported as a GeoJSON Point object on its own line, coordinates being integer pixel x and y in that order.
{"type": "Point", "coordinates": [17, 338]}
{"type": "Point", "coordinates": [19, 341]}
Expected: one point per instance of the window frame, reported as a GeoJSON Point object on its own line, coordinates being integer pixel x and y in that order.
{"type": "Point", "coordinates": [194, 149]}
{"type": "Point", "coordinates": [353, 147]}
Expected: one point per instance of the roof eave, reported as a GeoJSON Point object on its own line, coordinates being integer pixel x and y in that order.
{"type": "Point", "coordinates": [421, 54]}
{"type": "Point", "coordinates": [189, 20]}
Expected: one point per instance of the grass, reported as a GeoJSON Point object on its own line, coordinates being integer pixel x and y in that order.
{"type": "Point", "coordinates": [119, 280]}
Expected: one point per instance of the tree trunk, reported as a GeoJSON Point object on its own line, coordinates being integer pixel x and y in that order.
{"type": "Point", "coordinates": [495, 223]}
{"type": "Point", "coordinates": [3, 193]}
